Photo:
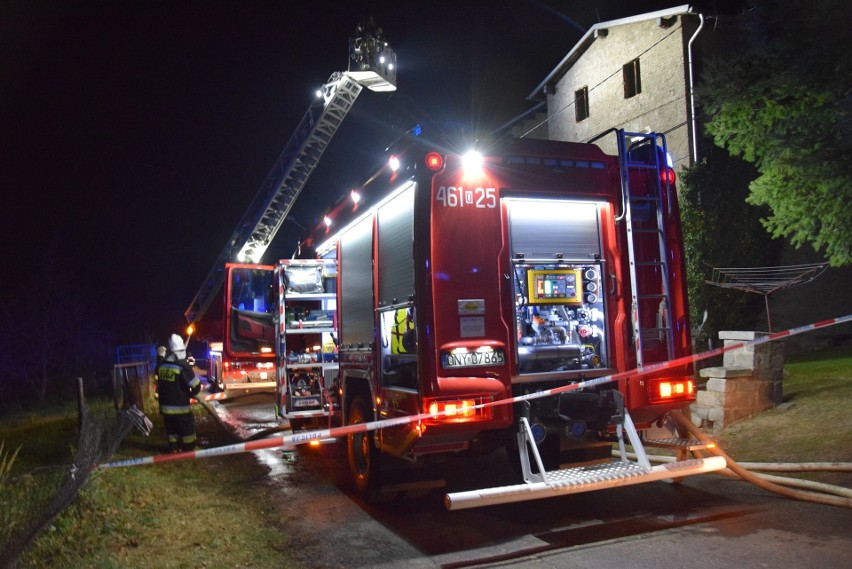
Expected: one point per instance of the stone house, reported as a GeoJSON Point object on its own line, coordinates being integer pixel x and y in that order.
{"type": "Point", "coordinates": [633, 73]}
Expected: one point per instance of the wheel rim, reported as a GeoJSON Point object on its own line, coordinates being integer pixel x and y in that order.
{"type": "Point", "coordinates": [359, 450]}
{"type": "Point", "coordinates": [361, 454]}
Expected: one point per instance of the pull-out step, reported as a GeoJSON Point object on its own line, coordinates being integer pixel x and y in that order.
{"type": "Point", "coordinates": [584, 479]}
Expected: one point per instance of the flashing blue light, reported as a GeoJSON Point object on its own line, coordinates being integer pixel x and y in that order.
{"type": "Point", "coordinates": [417, 130]}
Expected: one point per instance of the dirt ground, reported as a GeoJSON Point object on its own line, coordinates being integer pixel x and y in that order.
{"type": "Point", "coordinates": [330, 528]}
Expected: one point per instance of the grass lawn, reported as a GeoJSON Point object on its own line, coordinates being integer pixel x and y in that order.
{"type": "Point", "coordinates": [216, 512]}
{"type": "Point", "coordinates": [814, 424]}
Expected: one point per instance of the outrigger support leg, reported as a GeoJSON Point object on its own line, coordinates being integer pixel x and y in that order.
{"type": "Point", "coordinates": [623, 422]}
{"type": "Point", "coordinates": [526, 443]}
{"type": "Point", "coordinates": [635, 442]}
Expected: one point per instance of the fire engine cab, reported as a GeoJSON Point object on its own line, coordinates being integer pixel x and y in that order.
{"type": "Point", "coordinates": [461, 282]}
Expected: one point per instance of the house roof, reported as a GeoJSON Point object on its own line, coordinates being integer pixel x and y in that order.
{"type": "Point", "coordinates": [581, 46]}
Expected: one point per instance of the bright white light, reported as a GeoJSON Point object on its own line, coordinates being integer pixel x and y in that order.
{"type": "Point", "coordinates": [356, 197]}
{"type": "Point", "coordinates": [472, 162]}
{"type": "Point", "coordinates": [248, 254]}
{"type": "Point", "coordinates": [390, 66]}
{"type": "Point", "coordinates": [393, 163]}
{"type": "Point", "coordinates": [382, 59]}
{"type": "Point", "coordinates": [319, 93]}
{"type": "Point", "coordinates": [327, 220]}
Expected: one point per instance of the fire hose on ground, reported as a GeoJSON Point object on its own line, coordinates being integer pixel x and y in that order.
{"type": "Point", "coordinates": [761, 468]}
{"type": "Point", "coordinates": [814, 491]}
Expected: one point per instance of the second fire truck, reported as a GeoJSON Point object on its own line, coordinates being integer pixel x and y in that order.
{"type": "Point", "coordinates": [241, 358]}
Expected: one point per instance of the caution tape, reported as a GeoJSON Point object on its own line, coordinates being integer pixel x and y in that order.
{"type": "Point", "coordinates": [209, 397]}
{"type": "Point", "coordinates": [295, 439]}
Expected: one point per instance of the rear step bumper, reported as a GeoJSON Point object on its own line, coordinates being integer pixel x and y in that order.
{"type": "Point", "coordinates": [584, 479]}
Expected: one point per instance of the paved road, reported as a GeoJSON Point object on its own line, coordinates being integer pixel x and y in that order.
{"type": "Point", "coordinates": [706, 522]}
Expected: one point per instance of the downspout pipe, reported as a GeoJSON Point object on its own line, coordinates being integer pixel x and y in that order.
{"type": "Point", "coordinates": [692, 89]}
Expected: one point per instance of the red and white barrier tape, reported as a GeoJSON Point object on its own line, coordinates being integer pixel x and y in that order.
{"type": "Point", "coordinates": [210, 397]}
{"type": "Point", "coordinates": [293, 440]}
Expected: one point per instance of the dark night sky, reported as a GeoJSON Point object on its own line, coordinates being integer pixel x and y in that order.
{"type": "Point", "coordinates": [133, 135]}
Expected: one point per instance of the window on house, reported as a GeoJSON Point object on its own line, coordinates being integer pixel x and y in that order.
{"type": "Point", "coordinates": [632, 79]}
{"type": "Point", "coordinates": [581, 104]}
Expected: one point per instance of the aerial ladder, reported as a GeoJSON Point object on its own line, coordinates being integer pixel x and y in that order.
{"type": "Point", "coordinates": [372, 64]}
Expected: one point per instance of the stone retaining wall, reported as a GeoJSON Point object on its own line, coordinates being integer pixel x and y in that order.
{"type": "Point", "coordinates": [749, 381]}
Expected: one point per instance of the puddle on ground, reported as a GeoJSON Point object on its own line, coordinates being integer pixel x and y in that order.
{"type": "Point", "coordinates": [253, 420]}
{"type": "Point", "coordinates": [280, 463]}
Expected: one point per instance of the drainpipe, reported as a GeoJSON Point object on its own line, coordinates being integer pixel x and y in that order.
{"type": "Point", "coordinates": [692, 91]}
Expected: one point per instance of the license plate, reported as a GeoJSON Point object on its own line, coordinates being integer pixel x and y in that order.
{"type": "Point", "coordinates": [473, 359]}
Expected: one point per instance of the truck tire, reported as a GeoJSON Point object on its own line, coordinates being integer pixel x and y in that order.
{"type": "Point", "coordinates": [364, 457]}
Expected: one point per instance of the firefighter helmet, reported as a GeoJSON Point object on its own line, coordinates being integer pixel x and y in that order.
{"type": "Point", "coordinates": [177, 347]}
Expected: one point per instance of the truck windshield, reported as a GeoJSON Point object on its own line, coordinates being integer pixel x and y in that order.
{"type": "Point", "coordinates": [252, 290]}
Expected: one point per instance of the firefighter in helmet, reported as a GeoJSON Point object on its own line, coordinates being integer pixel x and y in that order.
{"type": "Point", "coordinates": [176, 383]}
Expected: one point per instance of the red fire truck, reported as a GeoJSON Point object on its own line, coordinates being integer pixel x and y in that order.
{"type": "Point", "coordinates": [460, 281]}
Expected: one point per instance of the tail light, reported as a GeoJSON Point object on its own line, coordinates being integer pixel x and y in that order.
{"type": "Point", "coordinates": [457, 410]}
{"type": "Point", "coordinates": [663, 390]}
{"type": "Point", "coordinates": [667, 176]}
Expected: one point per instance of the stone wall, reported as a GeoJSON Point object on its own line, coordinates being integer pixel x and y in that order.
{"type": "Point", "coordinates": [749, 381]}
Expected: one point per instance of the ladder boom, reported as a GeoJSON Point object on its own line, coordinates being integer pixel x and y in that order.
{"type": "Point", "coordinates": [297, 161]}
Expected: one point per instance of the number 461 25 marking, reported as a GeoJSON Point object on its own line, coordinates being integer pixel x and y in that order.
{"type": "Point", "coordinates": [453, 196]}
